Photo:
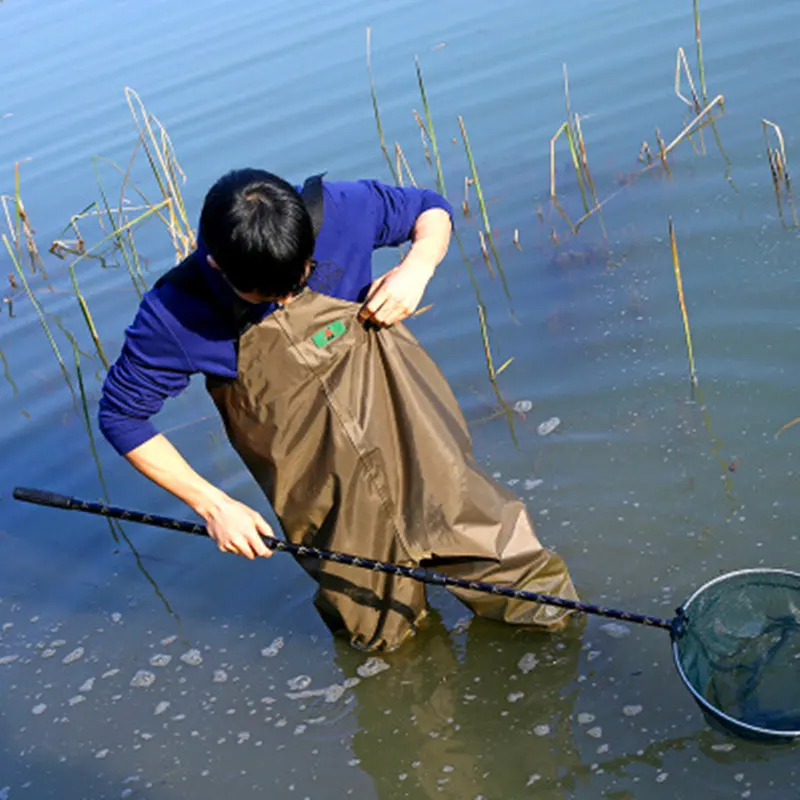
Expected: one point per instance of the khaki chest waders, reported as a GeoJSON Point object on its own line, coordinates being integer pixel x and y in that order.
{"type": "Point", "coordinates": [357, 440]}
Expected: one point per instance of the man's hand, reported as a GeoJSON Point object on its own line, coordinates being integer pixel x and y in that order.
{"type": "Point", "coordinates": [237, 529]}
{"type": "Point", "coordinates": [396, 295]}
{"type": "Point", "coordinates": [232, 525]}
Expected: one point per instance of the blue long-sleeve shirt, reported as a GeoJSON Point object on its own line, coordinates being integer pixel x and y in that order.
{"type": "Point", "coordinates": [175, 335]}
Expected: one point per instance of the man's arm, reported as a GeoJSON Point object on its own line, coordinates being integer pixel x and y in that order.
{"type": "Point", "coordinates": [397, 294]}
{"type": "Point", "coordinates": [233, 526]}
{"type": "Point", "coordinates": [152, 367]}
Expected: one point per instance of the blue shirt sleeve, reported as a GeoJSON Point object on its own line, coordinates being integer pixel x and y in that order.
{"type": "Point", "coordinates": [391, 211]}
{"type": "Point", "coordinates": [152, 367]}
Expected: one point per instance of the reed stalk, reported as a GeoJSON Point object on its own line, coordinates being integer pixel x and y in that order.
{"type": "Point", "coordinates": [493, 375]}
{"type": "Point", "coordinates": [167, 171]}
{"type": "Point", "coordinates": [682, 302]}
{"type": "Point", "coordinates": [440, 187]}
{"type": "Point", "coordinates": [585, 158]}
{"type": "Point", "coordinates": [42, 320]}
{"type": "Point", "coordinates": [572, 139]}
{"type": "Point", "coordinates": [423, 137]}
{"type": "Point", "coordinates": [699, 42]}
{"type": "Point", "coordinates": [76, 287]}
{"type": "Point", "coordinates": [718, 100]}
{"type": "Point", "coordinates": [402, 163]}
{"type": "Point", "coordinates": [682, 62]}
{"type": "Point", "coordinates": [485, 253]}
{"type": "Point", "coordinates": [662, 153]}
{"type": "Point", "coordinates": [376, 110]}
{"type": "Point", "coordinates": [553, 196]}
{"type": "Point", "coordinates": [122, 242]}
{"type": "Point", "coordinates": [20, 228]}
{"type": "Point", "coordinates": [481, 202]}
{"type": "Point", "coordinates": [779, 166]}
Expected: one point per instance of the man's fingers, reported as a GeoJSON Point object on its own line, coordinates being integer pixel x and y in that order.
{"type": "Point", "coordinates": [265, 530]}
{"type": "Point", "coordinates": [373, 309]}
{"type": "Point", "coordinates": [398, 314]}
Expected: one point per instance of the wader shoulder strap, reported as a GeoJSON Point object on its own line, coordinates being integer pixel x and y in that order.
{"type": "Point", "coordinates": [314, 201]}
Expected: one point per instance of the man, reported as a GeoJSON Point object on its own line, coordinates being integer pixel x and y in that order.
{"type": "Point", "coordinates": [340, 416]}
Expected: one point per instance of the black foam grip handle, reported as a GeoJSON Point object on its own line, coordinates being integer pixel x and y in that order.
{"type": "Point", "coordinates": [42, 497]}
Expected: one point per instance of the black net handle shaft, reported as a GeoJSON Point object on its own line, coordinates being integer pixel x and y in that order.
{"type": "Point", "coordinates": [44, 498]}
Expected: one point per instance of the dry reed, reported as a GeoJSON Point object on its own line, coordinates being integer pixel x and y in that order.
{"type": "Point", "coordinates": [779, 167]}
{"type": "Point", "coordinates": [682, 302]}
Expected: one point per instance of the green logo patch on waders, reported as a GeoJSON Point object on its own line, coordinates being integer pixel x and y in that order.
{"type": "Point", "coordinates": [329, 333]}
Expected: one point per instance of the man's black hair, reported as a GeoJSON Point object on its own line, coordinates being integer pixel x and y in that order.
{"type": "Point", "coordinates": [258, 231]}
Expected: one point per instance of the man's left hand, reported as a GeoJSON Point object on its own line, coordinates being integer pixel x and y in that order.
{"type": "Point", "coordinates": [396, 295]}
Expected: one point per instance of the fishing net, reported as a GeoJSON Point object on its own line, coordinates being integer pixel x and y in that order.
{"type": "Point", "coordinates": [737, 647]}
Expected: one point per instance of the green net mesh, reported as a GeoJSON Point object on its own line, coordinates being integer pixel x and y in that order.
{"type": "Point", "coordinates": [740, 648]}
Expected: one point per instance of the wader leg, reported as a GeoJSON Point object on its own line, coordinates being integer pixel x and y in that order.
{"type": "Point", "coordinates": [521, 562]}
{"type": "Point", "coordinates": [374, 610]}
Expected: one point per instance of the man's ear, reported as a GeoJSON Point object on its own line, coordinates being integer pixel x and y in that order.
{"type": "Point", "coordinates": [211, 263]}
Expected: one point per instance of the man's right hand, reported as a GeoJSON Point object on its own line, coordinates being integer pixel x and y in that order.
{"type": "Point", "coordinates": [238, 529]}
{"type": "Point", "coordinates": [232, 525]}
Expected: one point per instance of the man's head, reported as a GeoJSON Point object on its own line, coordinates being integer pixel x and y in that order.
{"type": "Point", "coordinates": [258, 233]}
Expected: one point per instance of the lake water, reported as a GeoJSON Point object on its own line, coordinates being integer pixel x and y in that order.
{"type": "Point", "coordinates": [237, 687]}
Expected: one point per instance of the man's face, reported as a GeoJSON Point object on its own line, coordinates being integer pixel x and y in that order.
{"type": "Point", "coordinates": [256, 298]}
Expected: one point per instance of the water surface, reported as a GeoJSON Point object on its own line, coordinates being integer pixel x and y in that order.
{"type": "Point", "coordinates": [237, 687]}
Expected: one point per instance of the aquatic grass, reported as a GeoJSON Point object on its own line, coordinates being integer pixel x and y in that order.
{"type": "Point", "coordinates": [682, 302]}
{"type": "Point", "coordinates": [76, 287]}
{"type": "Point", "coordinates": [20, 228]}
{"type": "Point", "coordinates": [440, 187]}
{"type": "Point", "coordinates": [375, 109]}
{"type": "Point", "coordinates": [493, 375]}
{"type": "Point", "coordinates": [482, 204]}
{"type": "Point", "coordinates": [681, 62]}
{"type": "Point", "coordinates": [572, 138]}
{"type": "Point", "coordinates": [123, 243]}
{"type": "Point", "coordinates": [168, 173]}
{"type": "Point", "coordinates": [662, 153]}
{"type": "Point", "coordinates": [779, 167]}
{"type": "Point", "coordinates": [565, 130]}
{"type": "Point", "coordinates": [719, 100]}
{"type": "Point", "coordinates": [699, 43]}
{"type": "Point", "coordinates": [702, 119]}
{"type": "Point", "coordinates": [585, 158]}
{"type": "Point", "coordinates": [402, 164]}
{"type": "Point", "coordinates": [694, 103]}
{"type": "Point", "coordinates": [485, 253]}
{"type": "Point", "coordinates": [423, 136]}
{"type": "Point", "coordinates": [115, 526]}
{"type": "Point", "coordinates": [42, 318]}
{"type": "Point", "coordinates": [62, 247]}
{"type": "Point", "coordinates": [87, 423]}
